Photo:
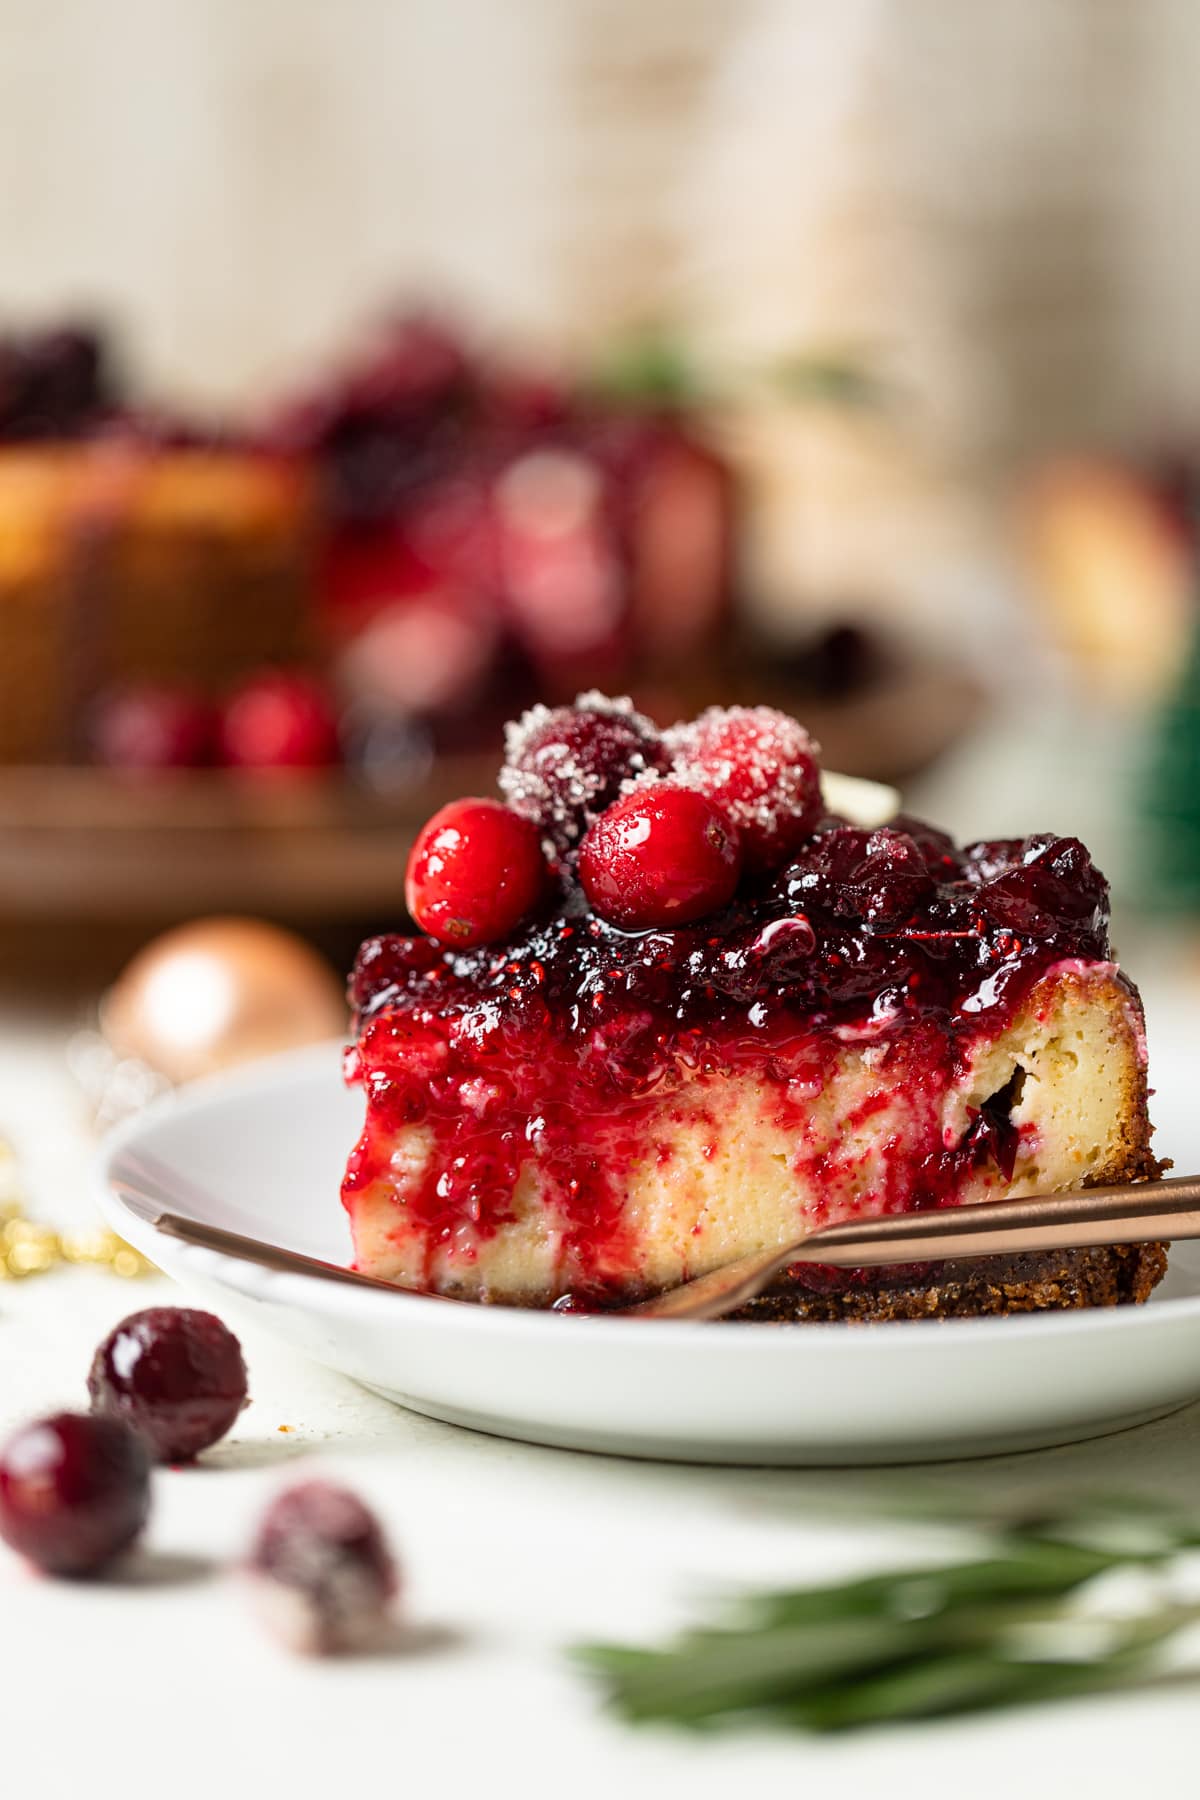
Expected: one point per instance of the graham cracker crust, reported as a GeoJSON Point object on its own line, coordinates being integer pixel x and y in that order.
{"type": "Point", "coordinates": [1047, 1281]}
{"type": "Point", "coordinates": [1052, 1281]}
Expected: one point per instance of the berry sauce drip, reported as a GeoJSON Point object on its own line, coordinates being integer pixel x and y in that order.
{"type": "Point", "coordinates": [560, 1042]}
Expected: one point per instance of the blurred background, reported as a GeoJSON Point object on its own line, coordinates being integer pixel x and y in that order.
{"type": "Point", "coordinates": [368, 372]}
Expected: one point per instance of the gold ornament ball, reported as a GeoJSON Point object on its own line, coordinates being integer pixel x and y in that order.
{"type": "Point", "coordinates": [219, 992]}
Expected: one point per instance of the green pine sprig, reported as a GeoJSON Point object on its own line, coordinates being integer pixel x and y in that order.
{"type": "Point", "coordinates": [989, 1631]}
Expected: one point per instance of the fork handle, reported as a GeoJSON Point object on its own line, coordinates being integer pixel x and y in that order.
{"type": "Point", "coordinates": [1076, 1220]}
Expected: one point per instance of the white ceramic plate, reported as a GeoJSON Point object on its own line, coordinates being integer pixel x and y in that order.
{"type": "Point", "coordinates": [266, 1149]}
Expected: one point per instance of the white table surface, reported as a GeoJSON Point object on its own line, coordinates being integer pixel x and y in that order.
{"type": "Point", "coordinates": [163, 1682]}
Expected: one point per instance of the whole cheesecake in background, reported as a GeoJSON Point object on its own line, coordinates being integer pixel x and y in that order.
{"type": "Point", "coordinates": [128, 561]}
{"type": "Point", "coordinates": [436, 532]}
{"type": "Point", "coordinates": [674, 1010]}
{"type": "Point", "coordinates": [134, 548]}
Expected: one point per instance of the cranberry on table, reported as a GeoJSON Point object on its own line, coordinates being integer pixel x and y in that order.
{"type": "Point", "coordinates": [74, 1491]}
{"type": "Point", "coordinates": [760, 766]}
{"type": "Point", "coordinates": [153, 725]}
{"type": "Point", "coordinates": [564, 766]}
{"type": "Point", "coordinates": [665, 855]}
{"type": "Point", "coordinates": [475, 871]}
{"type": "Point", "coordinates": [279, 720]}
{"type": "Point", "coordinates": [324, 1575]}
{"type": "Point", "coordinates": [175, 1374]}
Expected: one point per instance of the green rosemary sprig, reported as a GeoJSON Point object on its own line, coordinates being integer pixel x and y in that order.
{"type": "Point", "coordinates": [998, 1630]}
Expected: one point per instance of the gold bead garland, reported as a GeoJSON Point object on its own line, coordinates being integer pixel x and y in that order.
{"type": "Point", "coordinates": [28, 1247]}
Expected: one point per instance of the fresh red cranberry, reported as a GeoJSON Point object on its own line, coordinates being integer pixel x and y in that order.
{"type": "Point", "coordinates": [475, 871]}
{"type": "Point", "coordinates": [323, 1571]}
{"type": "Point", "coordinates": [279, 720]}
{"type": "Point", "coordinates": [153, 726]}
{"type": "Point", "coordinates": [74, 1491]}
{"type": "Point", "coordinates": [760, 767]}
{"type": "Point", "coordinates": [664, 855]}
{"type": "Point", "coordinates": [175, 1374]}
{"type": "Point", "coordinates": [564, 766]}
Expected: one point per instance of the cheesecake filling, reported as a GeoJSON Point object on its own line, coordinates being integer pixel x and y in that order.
{"type": "Point", "coordinates": [596, 1114]}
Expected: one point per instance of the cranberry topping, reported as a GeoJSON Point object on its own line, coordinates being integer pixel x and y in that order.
{"type": "Point", "coordinates": [665, 855]}
{"type": "Point", "coordinates": [571, 966]}
{"type": "Point", "coordinates": [74, 1492]}
{"type": "Point", "coordinates": [153, 726]}
{"type": "Point", "coordinates": [1031, 886]}
{"type": "Point", "coordinates": [561, 1038]}
{"type": "Point", "coordinates": [564, 767]}
{"type": "Point", "coordinates": [175, 1374]}
{"type": "Point", "coordinates": [390, 965]}
{"type": "Point", "coordinates": [279, 720]}
{"type": "Point", "coordinates": [760, 767]}
{"type": "Point", "coordinates": [937, 847]}
{"type": "Point", "coordinates": [475, 871]}
{"type": "Point", "coordinates": [868, 875]}
{"type": "Point", "coordinates": [324, 1574]}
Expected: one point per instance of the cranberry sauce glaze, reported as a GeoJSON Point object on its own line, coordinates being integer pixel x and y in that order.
{"type": "Point", "coordinates": [560, 1042]}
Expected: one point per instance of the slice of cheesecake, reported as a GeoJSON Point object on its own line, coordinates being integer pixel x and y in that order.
{"type": "Point", "coordinates": [591, 1108]}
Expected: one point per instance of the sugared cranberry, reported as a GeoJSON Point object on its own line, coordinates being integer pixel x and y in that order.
{"type": "Point", "coordinates": [324, 1575]}
{"type": "Point", "coordinates": [474, 873]}
{"type": "Point", "coordinates": [564, 766]}
{"type": "Point", "coordinates": [760, 767]}
{"type": "Point", "coordinates": [279, 720]}
{"type": "Point", "coordinates": [664, 855]}
{"type": "Point", "coordinates": [176, 1375]}
{"type": "Point", "coordinates": [153, 726]}
{"type": "Point", "coordinates": [74, 1491]}
{"type": "Point", "coordinates": [876, 876]}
